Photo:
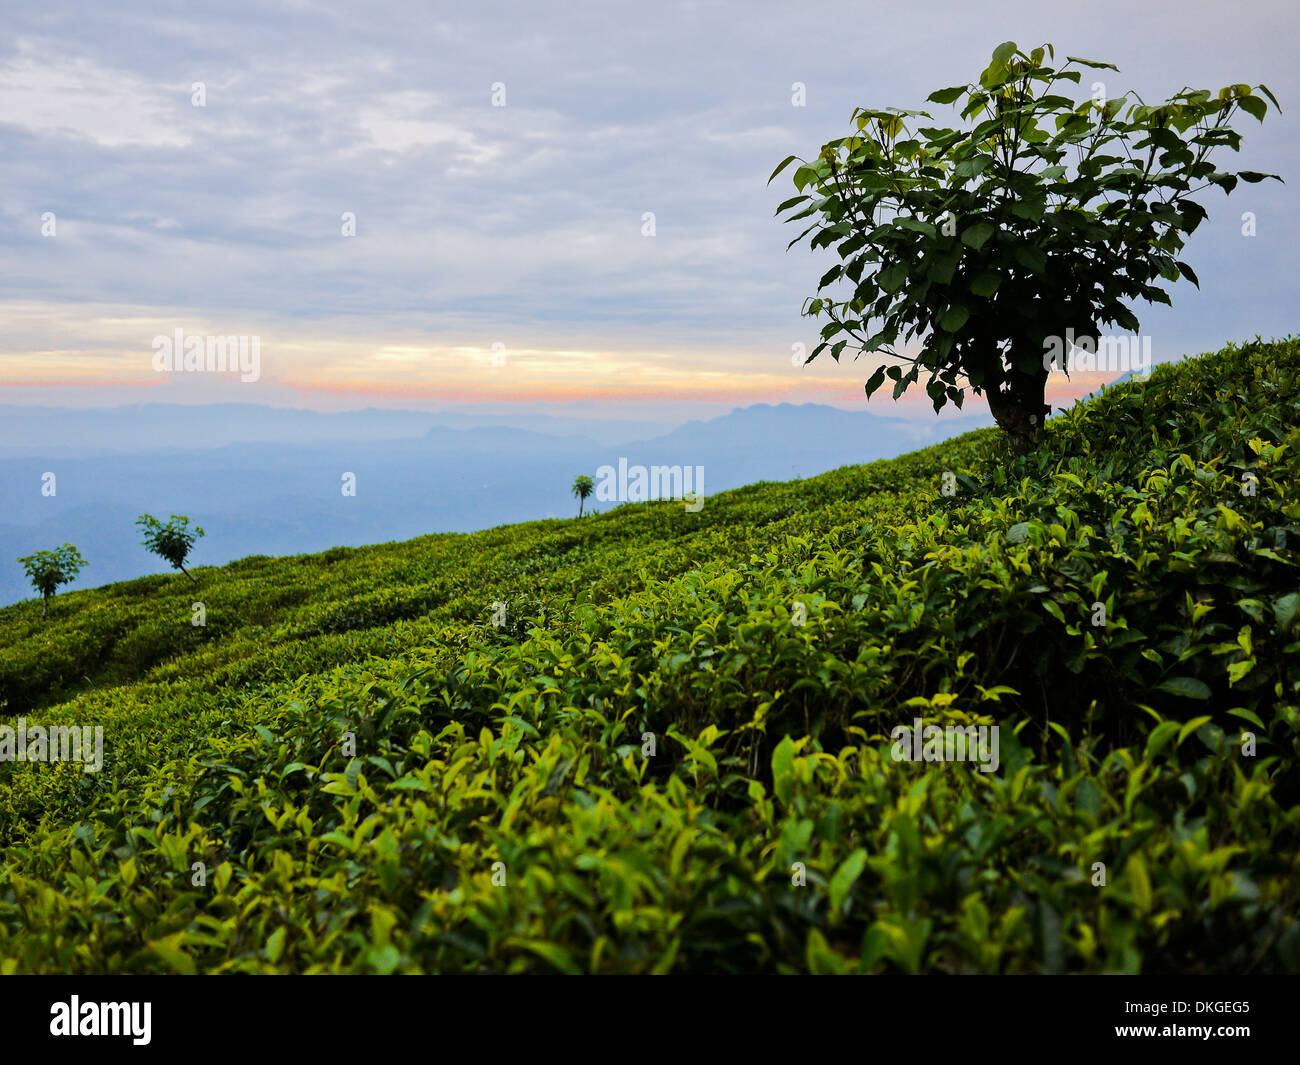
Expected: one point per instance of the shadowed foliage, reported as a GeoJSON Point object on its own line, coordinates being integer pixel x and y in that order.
{"type": "Point", "coordinates": [634, 773]}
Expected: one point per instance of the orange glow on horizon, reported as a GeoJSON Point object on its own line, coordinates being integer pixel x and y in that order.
{"type": "Point", "coordinates": [684, 390]}
{"type": "Point", "coordinates": [688, 389]}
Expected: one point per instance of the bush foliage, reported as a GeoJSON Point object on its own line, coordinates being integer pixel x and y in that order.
{"type": "Point", "coordinates": [500, 812]}
{"type": "Point", "coordinates": [1040, 215]}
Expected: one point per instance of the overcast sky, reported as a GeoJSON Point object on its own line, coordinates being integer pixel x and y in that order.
{"type": "Point", "coordinates": [521, 225]}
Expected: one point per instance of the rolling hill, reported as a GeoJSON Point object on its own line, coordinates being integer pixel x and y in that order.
{"type": "Point", "coordinates": [659, 740]}
{"type": "Point", "coordinates": [266, 481]}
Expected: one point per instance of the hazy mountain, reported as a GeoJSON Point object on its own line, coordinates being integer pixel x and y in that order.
{"type": "Point", "coordinates": [44, 431]}
{"type": "Point", "coordinates": [766, 442]}
{"type": "Point", "coordinates": [280, 492]}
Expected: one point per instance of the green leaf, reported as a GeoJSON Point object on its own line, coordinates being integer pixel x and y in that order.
{"type": "Point", "coordinates": [169, 949]}
{"type": "Point", "coordinates": [1004, 51]}
{"type": "Point", "coordinates": [275, 945]}
{"type": "Point", "coordinates": [384, 959]}
{"type": "Point", "coordinates": [783, 770]}
{"type": "Point", "coordinates": [985, 283]}
{"type": "Point", "coordinates": [784, 163]}
{"type": "Point", "coordinates": [1285, 610]}
{"type": "Point", "coordinates": [1159, 737]}
{"type": "Point", "coordinates": [844, 879]}
{"type": "Point", "coordinates": [1185, 687]}
{"type": "Point", "coordinates": [1031, 257]}
{"type": "Point", "coordinates": [804, 176]}
{"type": "Point", "coordinates": [954, 318]}
{"type": "Point", "coordinates": [557, 956]}
{"type": "Point", "coordinates": [946, 96]}
{"type": "Point", "coordinates": [1091, 63]}
{"type": "Point", "coordinates": [820, 958]}
{"type": "Point", "coordinates": [943, 267]}
{"type": "Point", "coordinates": [1139, 883]}
{"type": "Point", "coordinates": [892, 277]}
{"type": "Point", "coordinates": [1253, 105]}
{"type": "Point", "coordinates": [978, 234]}
{"type": "Point", "coordinates": [875, 380]}
{"type": "Point", "coordinates": [916, 225]}
{"type": "Point", "coordinates": [1030, 210]}
{"type": "Point", "coordinates": [974, 166]}
{"type": "Point", "coordinates": [1190, 727]}
{"type": "Point", "coordinates": [1249, 715]}
{"type": "Point", "coordinates": [1087, 797]}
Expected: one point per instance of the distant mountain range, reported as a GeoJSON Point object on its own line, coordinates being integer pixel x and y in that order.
{"type": "Point", "coordinates": [149, 426]}
{"type": "Point", "coordinates": [264, 481]}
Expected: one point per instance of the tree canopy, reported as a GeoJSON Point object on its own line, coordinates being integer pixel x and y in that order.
{"type": "Point", "coordinates": [965, 252]}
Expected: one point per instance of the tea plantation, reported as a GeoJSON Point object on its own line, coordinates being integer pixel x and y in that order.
{"type": "Point", "coordinates": [675, 754]}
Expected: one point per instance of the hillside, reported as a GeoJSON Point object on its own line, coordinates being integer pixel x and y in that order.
{"type": "Point", "coordinates": [504, 810]}
{"type": "Point", "coordinates": [285, 499]}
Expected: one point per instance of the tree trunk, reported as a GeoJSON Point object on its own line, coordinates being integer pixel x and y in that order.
{"type": "Point", "coordinates": [189, 575]}
{"type": "Point", "coordinates": [1018, 406]}
{"type": "Point", "coordinates": [580, 502]}
{"type": "Point", "coordinates": [45, 605]}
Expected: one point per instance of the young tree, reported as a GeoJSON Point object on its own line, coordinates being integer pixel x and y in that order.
{"type": "Point", "coordinates": [583, 486]}
{"type": "Point", "coordinates": [48, 569]}
{"type": "Point", "coordinates": [1039, 219]}
{"type": "Point", "coordinates": [170, 541]}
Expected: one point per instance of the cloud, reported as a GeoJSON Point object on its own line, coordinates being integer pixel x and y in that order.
{"type": "Point", "coordinates": [520, 224]}
{"type": "Point", "coordinates": [57, 96]}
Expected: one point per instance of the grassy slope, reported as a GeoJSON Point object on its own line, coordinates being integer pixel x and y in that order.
{"type": "Point", "coordinates": [524, 745]}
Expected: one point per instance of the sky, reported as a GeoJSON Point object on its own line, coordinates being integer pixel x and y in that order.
{"type": "Point", "coordinates": [497, 163]}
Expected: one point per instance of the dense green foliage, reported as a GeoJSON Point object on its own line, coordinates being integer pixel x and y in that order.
{"type": "Point", "coordinates": [49, 569]}
{"type": "Point", "coordinates": [1171, 501]}
{"type": "Point", "coordinates": [171, 540]}
{"type": "Point", "coordinates": [583, 486]}
{"type": "Point", "coordinates": [1041, 216]}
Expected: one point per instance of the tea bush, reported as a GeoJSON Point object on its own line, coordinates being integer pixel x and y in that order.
{"type": "Point", "coordinates": [675, 753]}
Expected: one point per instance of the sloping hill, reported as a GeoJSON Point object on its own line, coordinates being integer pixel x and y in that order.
{"type": "Point", "coordinates": [676, 753]}
{"type": "Point", "coordinates": [254, 498]}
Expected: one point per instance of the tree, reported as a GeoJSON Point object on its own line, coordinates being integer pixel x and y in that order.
{"type": "Point", "coordinates": [1040, 219]}
{"type": "Point", "coordinates": [170, 541]}
{"type": "Point", "coordinates": [583, 486]}
{"type": "Point", "coordinates": [48, 569]}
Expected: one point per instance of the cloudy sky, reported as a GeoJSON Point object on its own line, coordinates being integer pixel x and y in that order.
{"type": "Point", "coordinates": [520, 225]}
